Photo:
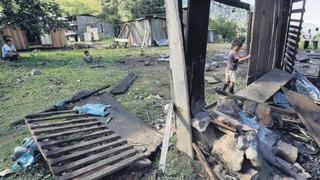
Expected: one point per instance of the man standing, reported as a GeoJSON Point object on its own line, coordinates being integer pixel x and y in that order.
{"type": "Point", "coordinates": [315, 39]}
{"type": "Point", "coordinates": [307, 38]}
{"type": "Point", "coordinates": [9, 52]}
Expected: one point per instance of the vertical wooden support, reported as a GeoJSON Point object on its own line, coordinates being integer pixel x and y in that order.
{"type": "Point", "coordinates": [249, 31]}
{"type": "Point", "coordinates": [282, 32]}
{"type": "Point", "coordinates": [196, 48]}
{"type": "Point", "coordinates": [179, 78]}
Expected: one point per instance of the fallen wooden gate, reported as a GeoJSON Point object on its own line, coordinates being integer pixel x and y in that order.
{"type": "Point", "coordinates": [77, 146]}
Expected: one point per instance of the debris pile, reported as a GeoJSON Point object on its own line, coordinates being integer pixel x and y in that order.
{"type": "Point", "coordinates": [275, 139]}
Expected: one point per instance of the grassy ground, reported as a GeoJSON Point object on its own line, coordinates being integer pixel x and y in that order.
{"type": "Point", "coordinates": [63, 73]}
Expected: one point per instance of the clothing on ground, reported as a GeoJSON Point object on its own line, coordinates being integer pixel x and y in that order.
{"type": "Point", "coordinates": [93, 109]}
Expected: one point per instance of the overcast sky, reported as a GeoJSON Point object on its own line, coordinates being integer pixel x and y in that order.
{"type": "Point", "coordinates": [312, 14]}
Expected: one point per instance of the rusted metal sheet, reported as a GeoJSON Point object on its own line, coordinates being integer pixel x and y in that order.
{"type": "Point", "coordinates": [80, 146]}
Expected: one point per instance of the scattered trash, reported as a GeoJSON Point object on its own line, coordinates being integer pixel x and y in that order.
{"type": "Point", "coordinates": [280, 99]}
{"type": "Point", "coordinates": [304, 86]}
{"type": "Point", "coordinates": [93, 109]}
{"type": "Point", "coordinates": [162, 42]}
{"type": "Point", "coordinates": [5, 172]}
{"type": "Point", "coordinates": [35, 72]}
{"type": "Point", "coordinates": [25, 155]}
{"type": "Point", "coordinates": [164, 58]}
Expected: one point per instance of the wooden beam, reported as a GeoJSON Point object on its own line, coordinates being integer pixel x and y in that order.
{"type": "Point", "coordinates": [196, 49]}
{"type": "Point", "coordinates": [235, 3]}
{"type": "Point", "coordinates": [179, 78]}
{"type": "Point", "coordinates": [204, 162]}
{"type": "Point", "coordinates": [308, 112]}
{"type": "Point", "coordinates": [166, 139]}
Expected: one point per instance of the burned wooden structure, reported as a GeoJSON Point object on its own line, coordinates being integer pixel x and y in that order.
{"type": "Point", "coordinates": [273, 40]}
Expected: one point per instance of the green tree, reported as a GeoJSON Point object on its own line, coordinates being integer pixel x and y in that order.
{"type": "Point", "coordinates": [76, 7]}
{"type": "Point", "coordinates": [119, 10]}
{"type": "Point", "coordinates": [33, 16]}
{"type": "Point", "coordinates": [225, 30]}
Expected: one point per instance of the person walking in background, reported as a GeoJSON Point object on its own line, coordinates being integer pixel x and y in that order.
{"type": "Point", "coordinates": [92, 37]}
{"type": "Point", "coordinates": [315, 39]}
{"type": "Point", "coordinates": [307, 38]}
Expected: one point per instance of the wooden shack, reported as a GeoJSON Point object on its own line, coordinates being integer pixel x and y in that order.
{"type": "Point", "coordinates": [81, 27]}
{"type": "Point", "coordinates": [21, 40]}
{"type": "Point", "coordinates": [144, 31]}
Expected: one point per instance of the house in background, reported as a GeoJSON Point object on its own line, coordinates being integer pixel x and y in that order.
{"type": "Point", "coordinates": [23, 40]}
{"type": "Point", "coordinates": [144, 31]}
{"type": "Point", "coordinates": [83, 26]}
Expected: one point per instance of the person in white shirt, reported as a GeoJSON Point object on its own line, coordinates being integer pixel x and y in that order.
{"type": "Point", "coordinates": [8, 51]}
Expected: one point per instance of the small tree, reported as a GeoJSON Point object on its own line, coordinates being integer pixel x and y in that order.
{"type": "Point", "coordinates": [33, 16]}
{"type": "Point", "coordinates": [226, 30]}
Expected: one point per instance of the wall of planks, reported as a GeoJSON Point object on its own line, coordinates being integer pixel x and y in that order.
{"type": "Point", "coordinates": [270, 22]}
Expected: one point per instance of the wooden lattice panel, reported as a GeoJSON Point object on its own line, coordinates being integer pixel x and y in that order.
{"type": "Point", "coordinates": [77, 146]}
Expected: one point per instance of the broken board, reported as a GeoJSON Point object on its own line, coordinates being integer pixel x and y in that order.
{"type": "Point", "coordinates": [127, 125]}
{"type": "Point", "coordinates": [124, 84]}
{"type": "Point", "coordinates": [308, 113]}
{"type": "Point", "coordinates": [266, 86]}
{"type": "Point", "coordinates": [78, 146]}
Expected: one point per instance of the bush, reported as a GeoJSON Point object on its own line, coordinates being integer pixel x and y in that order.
{"type": "Point", "coordinates": [225, 30]}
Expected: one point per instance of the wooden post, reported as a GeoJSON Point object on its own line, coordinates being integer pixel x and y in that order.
{"type": "Point", "coordinates": [179, 78]}
{"type": "Point", "coordinates": [249, 31]}
{"type": "Point", "coordinates": [196, 49]}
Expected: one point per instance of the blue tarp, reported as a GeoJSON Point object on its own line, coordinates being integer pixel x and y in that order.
{"type": "Point", "coordinates": [249, 120]}
{"type": "Point", "coordinates": [304, 86]}
{"type": "Point", "coordinates": [93, 109]}
{"type": "Point", "coordinates": [280, 99]}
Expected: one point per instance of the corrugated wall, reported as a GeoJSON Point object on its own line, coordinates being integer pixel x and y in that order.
{"type": "Point", "coordinates": [18, 37]}
{"type": "Point", "coordinates": [143, 32]}
{"type": "Point", "coordinates": [159, 29]}
{"type": "Point", "coordinates": [58, 38]}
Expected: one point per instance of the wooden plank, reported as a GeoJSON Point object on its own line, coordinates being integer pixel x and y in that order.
{"type": "Point", "coordinates": [204, 162]}
{"type": "Point", "coordinates": [49, 143]}
{"type": "Point", "coordinates": [79, 138]}
{"type": "Point", "coordinates": [61, 123]}
{"type": "Point", "coordinates": [124, 84]}
{"type": "Point", "coordinates": [296, 20]}
{"type": "Point", "coordinates": [298, 11]}
{"type": "Point", "coordinates": [263, 41]}
{"type": "Point", "coordinates": [179, 78]}
{"type": "Point", "coordinates": [81, 153]}
{"type": "Point", "coordinates": [55, 129]}
{"type": "Point", "coordinates": [126, 124]}
{"type": "Point", "coordinates": [114, 159]}
{"type": "Point", "coordinates": [110, 169]}
{"type": "Point", "coordinates": [308, 112]}
{"type": "Point", "coordinates": [91, 159]}
{"type": "Point", "coordinates": [262, 89]}
{"type": "Point", "coordinates": [51, 113]}
{"type": "Point", "coordinates": [166, 140]}
{"type": "Point", "coordinates": [81, 145]}
{"type": "Point", "coordinates": [69, 132]}
{"type": "Point", "coordinates": [56, 117]}
{"type": "Point", "coordinates": [121, 40]}
{"type": "Point", "coordinates": [235, 3]}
